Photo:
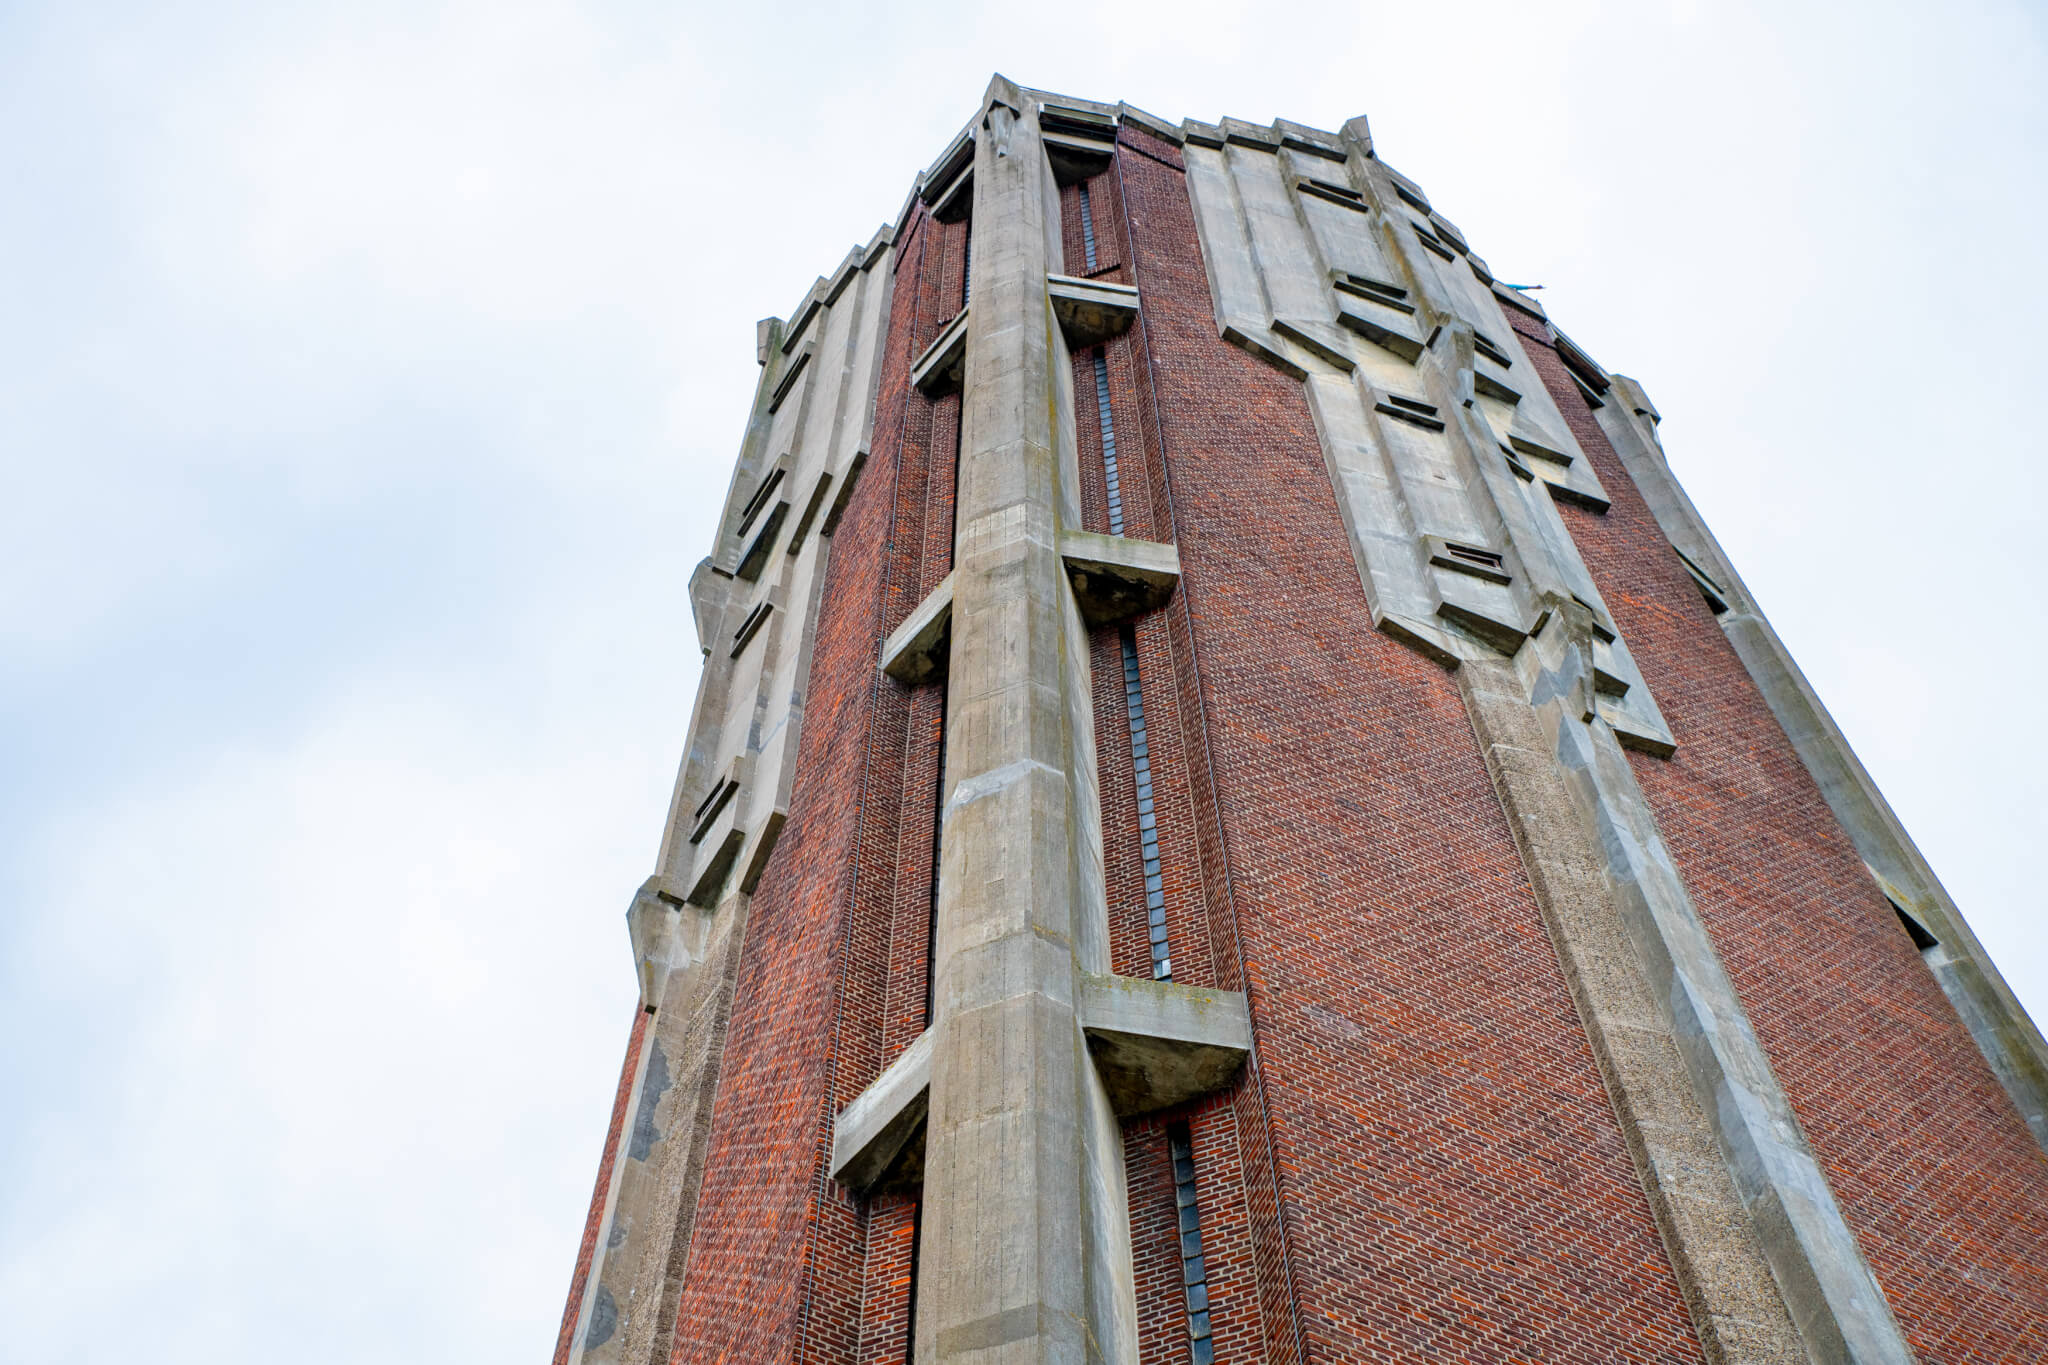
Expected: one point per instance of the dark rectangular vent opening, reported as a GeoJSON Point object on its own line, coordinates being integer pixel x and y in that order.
{"type": "Point", "coordinates": [1716, 598]}
{"type": "Point", "coordinates": [708, 809]}
{"type": "Point", "coordinates": [1476, 560]}
{"type": "Point", "coordinates": [1378, 291]}
{"type": "Point", "coordinates": [751, 627]}
{"type": "Point", "coordinates": [1486, 557]}
{"type": "Point", "coordinates": [1922, 939]}
{"type": "Point", "coordinates": [1412, 411]}
{"type": "Point", "coordinates": [1329, 192]}
{"type": "Point", "coordinates": [760, 498]}
{"type": "Point", "coordinates": [1486, 347]}
{"type": "Point", "coordinates": [1432, 241]}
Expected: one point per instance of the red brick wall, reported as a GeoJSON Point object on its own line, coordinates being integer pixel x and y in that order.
{"type": "Point", "coordinates": [1449, 1173]}
{"type": "Point", "coordinates": [1421, 1159]}
{"type": "Point", "coordinates": [587, 1252]}
{"type": "Point", "coordinates": [783, 1263]}
{"type": "Point", "coordinates": [1942, 1183]}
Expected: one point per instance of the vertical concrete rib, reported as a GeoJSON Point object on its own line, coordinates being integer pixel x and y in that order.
{"type": "Point", "coordinates": [1024, 1155]}
{"type": "Point", "coordinates": [1721, 1269]}
{"type": "Point", "coordinates": [2009, 1040]}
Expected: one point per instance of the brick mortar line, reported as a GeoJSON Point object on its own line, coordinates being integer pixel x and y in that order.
{"type": "Point", "coordinates": [1257, 1073]}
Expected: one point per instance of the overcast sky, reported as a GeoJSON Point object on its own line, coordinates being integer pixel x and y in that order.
{"type": "Point", "coordinates": [370, 376]}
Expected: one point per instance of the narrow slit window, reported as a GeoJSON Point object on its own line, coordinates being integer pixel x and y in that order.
{"type": "Point", "coordinates": [967, 267]}
{"type": "Point", "coordinates": [1413, 411]}
{"type": "Point", "coordinates": [1148, 824]}
{"type": "Point", "coordinates": [1087, 227]}
{"type": "Point", "coordinates": [1194, 1273]}
{"type": "Point", "coordinates": [1109, 469]}
{"type": "Point", "coordinates": [910, 1293]}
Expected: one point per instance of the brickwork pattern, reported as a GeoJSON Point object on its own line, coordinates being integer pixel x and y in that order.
{"type": "Point", "coordinates": [1451, 1174]}
{"type": "Point", "coordinates": [1420, 1160]}
{"type": "Point", "coordinates": [1262, 1297]}
{"type": "Point", "coordinates": [784, 1263]}
{"type": "Point", "coordinates": [586, 1252]}
{"type": "Point", "coordinates": [1938, 1176]}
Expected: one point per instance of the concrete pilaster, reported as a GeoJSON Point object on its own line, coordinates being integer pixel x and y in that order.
{"type": "Point", "coordinates": [1720, 1266]}
{"type": "Point", "coordinates": [1025, 1253]}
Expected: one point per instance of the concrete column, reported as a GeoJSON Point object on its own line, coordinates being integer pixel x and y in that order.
{"type": "Point", "coordinates": [1025, 1253]}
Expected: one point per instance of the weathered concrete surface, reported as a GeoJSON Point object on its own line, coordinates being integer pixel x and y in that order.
{"type": "Point", "coordinates": [916, 651]}
{"type": "Point", "coordinates": [1115, 577]}
{"type": "Point", "coordinates": [805, 443]}
{"type": "Point", "coordinates": [1720, 1266]}
{"type": "Point", "coordinates": [2011, 1042]}
{"type": "Point", "coordinates": [1090, 312]}
{"type": "Point", "coordinates": [939, 370]}
{"type": "Point", "coordinates": [1821, 1274]}
{"type": "Point", "coordinates": [1158, 1044]}
{"type": "Point", "coordinates": [1448, 457]}
{"type": "Point", "coordinates": [691, 959]}
{"type": "Point", "coordinates": [875, 1133]}
{"type": "Point", "coordinates": [1025, 1237]}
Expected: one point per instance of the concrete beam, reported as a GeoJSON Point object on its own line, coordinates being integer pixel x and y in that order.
{"type": "Point", "coordinates": [1158, 1044]}
{"type": "Point", "coordinates": [879, 1137]}
{"type": "Point", "coordinates": [1115, 577]}
{"type": "Point", "coordinates": [916, 650]}
{"type": "Point", "coordinates": [1091, 311]}
{"type": "Point", "coordinates": [942, 367]}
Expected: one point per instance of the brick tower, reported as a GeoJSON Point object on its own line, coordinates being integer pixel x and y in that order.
{"type": "Point", "coordinates": [1236, 812]}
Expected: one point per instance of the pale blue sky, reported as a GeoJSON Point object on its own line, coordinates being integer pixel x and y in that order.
{"type": "Point", "coordinates": [369, 379]}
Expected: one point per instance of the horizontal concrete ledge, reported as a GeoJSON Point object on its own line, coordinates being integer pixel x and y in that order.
{"type": "Point", "coordinates": [1115, 577]}
{"type": "Point", "coordinates": [1091, 311]}
{"type": "Point", "coordinates": [1158, 1045]}
{"type": "Point", "coordinates": [943, 366]}
{"type": "Point", "coordinates": [880, 1136]}
{"type": "Point", "coordinates": [916, 651]}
